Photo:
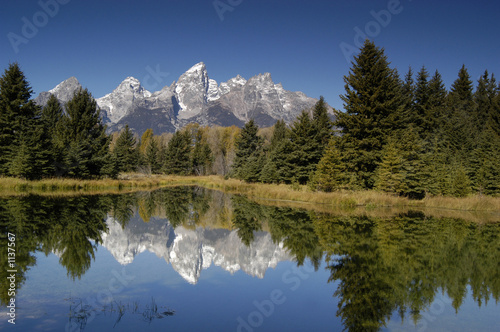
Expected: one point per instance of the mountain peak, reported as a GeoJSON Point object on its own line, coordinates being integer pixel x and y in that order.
{"type": "Point", "coordinates": [200, 66]}
{"type": "Point", "coordinates": [194, 97]}
{"type": "Point", "coordinates": [68, 84]}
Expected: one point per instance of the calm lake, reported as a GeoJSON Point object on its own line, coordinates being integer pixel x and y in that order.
{"type": "Point", "coordinates": [191, 259]}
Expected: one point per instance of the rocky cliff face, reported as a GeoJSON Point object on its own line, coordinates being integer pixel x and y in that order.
{"type": "Point", "coordinates": [193, 98]}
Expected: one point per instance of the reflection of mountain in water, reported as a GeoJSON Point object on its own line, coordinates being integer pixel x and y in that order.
{"type": "Point", "coordinates": [191, 250]}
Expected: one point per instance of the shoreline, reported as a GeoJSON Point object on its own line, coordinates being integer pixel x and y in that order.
{"type": "Point", "coordinates": [281, 193]}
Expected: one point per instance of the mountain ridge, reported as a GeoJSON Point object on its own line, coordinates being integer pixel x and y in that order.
{"type": "Point", "coordinates": [194, 97]}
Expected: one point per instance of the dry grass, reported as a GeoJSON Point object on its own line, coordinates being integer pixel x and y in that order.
{"type": "Point", "coordinates": [284, 194]}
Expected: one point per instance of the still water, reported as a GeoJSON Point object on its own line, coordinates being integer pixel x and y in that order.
{"type": "Point", "coordinates": [190, 259]}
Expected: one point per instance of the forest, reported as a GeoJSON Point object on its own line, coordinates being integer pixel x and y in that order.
{"type": "Point", "coordinates": [408, 136]}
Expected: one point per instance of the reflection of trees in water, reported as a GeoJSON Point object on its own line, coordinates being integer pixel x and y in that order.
{"type": "Point", "coordinates": [400, 264]}
{"type": "Point", "coordinates": [382, 265]}
{"type": "Point", "coordinates": [70, 227]}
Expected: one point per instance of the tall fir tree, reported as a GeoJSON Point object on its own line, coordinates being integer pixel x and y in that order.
{"type": "Point", "coordinates": [17, 118]}
{"type": "Point", "coordinates": [459, 115]}
{"type": "Point", "coordinates": [420, 119]}
{"type": "Point", "coordinates": [52, 115]}
{"type": "Point", "coordinates": [178, 154]}
{"type": "Point", "coordinates": [306, 153]}
{"type": "Point", "coordinates": [85, 137]}
{"type": "Point", "coordinates": [269, 172]}
{"type": "Point", "coordinates": [322, 125]}
{"type": "Point", "coordinates": [373, 110]}
{"type": "Point", "coordinates": [329, 174]}
{"type": "Point", "coordinates": [125, 151]}
{"type": "Point", "coordinates": [389, 176]}
{"type": "Point", "coordinates": [202, 157]}
{"type": "Point", "coordinates": [249, 158]}
{"type": "Point", "coordinates": [437, 105]}
{"type": "Point", "coordinates": [152, 156]}
{"type": "Point", "coordinates": [408, 95]}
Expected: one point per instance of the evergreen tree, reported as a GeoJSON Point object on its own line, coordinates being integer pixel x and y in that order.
{"type": "Point", "coordinates": [408, 96]}
{"type": "Point", "coordinates": [152, 156]}
{"type": "Point", "coordinates": [21, 164]}
{"type": "Point", "coordinates": [202, 155]}
{"type": "Point", "coordinates": [411, 150]}
{"type": "Point", "coordinates": [249, 159]}
{"type": "Point", "coordinates": [437, 105]}
{"type": "Point", "coordinates": [279, 134]}
{"type": "Point", "coordinates": [420, 118]}
{"type": "Point", "coordinates": [306, 153]}
{"type": "Point", "coordinates": [18, 115]}
{"type": "Point", "coordinates": [125, 151]}
{"type": "Point", "coordinates": [52, 115]}
{"type": "Point", "coordinates": [322, 126]}
{"type": "Point", "coordinates": [269, 172]}
{"type": "Point", "coordinates": [329, 175]}
{"type": "Point", "coordinates": [85, 137]}
{"type": "Point", "coordinates": [373, 110]}
{"type": "Point", "coordinates": [390, 175]}
{"type": "Point", "coordinates": [177, 155]}
{"type": "Point", "coordinates": [459, 132]}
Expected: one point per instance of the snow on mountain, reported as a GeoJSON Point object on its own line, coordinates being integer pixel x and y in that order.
{"type": "Point", "coordinates": [64, 91]}
{"type": "Point", "coordinates": [235, 82]}
{"type": "Point", "coordinates": [193, 98]}
{"type": "Point", "coordinates": [118, 103]}
{"type": "Point", "coordinates": [190, 251]}
{"type": "Point", "coordinates": [191, 90]}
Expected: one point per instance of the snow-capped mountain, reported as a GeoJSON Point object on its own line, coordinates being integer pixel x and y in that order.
{"type": "Point", "coordinates": [63, 91]}
{"type": "Point", "coordinates": [122, 99]}
{"type": "Point", "coordinates": [190, 251]}
{"type": "Point", "coordinates": [193, 98]}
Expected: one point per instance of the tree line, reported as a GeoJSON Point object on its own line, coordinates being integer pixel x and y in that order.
{"type": "Point", "coordinates": [407, 136]}
{"type": "Point", "coordinates": [70, 140]}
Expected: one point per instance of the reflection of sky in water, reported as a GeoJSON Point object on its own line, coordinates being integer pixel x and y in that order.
{"type": "Point", "coordinates": [214, 282]}
{"type": "Point", "coordinates": [441, 317]}
{"type": "Point", "coordinates": [214, 303]}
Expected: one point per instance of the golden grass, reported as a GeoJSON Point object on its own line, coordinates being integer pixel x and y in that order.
{"type": "Point", "coordinates": [284, 194]}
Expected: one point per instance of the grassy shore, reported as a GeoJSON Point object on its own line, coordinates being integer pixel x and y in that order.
{"type": "Point", "coordinates": [263, 192]}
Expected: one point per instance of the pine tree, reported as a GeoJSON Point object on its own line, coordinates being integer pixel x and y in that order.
{"type": "Point", "coordinates": [85, 137]}
{"type": "Point", "coordinates": [21, 164]}
{"type": "Point", "coordinates": [279, 134]}
{"type": "Point", "coordinates": [152, 156]}
{"type": "Point", "coordinates": [269, 172]}
{"type": "Point", "coordinates": [17, 117]}
{"type": "Point", "coordinates": [52, 115]}
{"type": "Point", "coordinates": [459, 117]}
{"type": "Point", "coordinates": [420, 118]}
{"type": "Point", "coordinates": [322, 125]}
{"type": "Point", "coordinates": [305, 154]}
{"type": "Point", "coordinates": [201, 158]}
{"type": "Point", "coordinates": [329, 175]}
{"type": "Point", "coordinates": [177, 155]}
{"type": "Point", "coordinates": [249, 160]}
{"type": "Point", "coordinates": [125, 151]}
{"type": "Point", "coordinates": [408, 96]}
{"type": "Point", "coordinates": [390, 175]}
{"type": "Point", "coordinates": [411, 150]}
{"type": "Point", "coordinates": [437, 105]}
{"type": "Point", "coordinates": [373, 110]}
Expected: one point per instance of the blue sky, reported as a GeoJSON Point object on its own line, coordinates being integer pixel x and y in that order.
{"type": "Point", "coordinates": [299, 42]}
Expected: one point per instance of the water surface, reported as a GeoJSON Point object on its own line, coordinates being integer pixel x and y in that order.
{"type": "Point", "coordinates": [190, 259]}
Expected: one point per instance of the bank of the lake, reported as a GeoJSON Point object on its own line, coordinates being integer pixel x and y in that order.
{"type": "Point", "coordinates": [265, 192]}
